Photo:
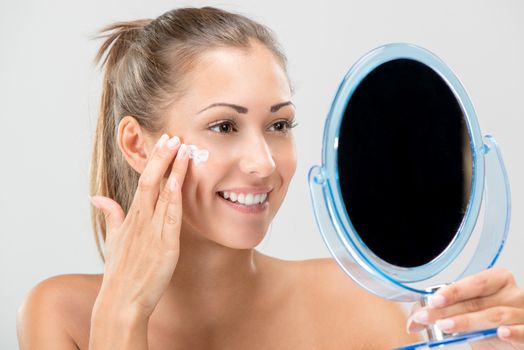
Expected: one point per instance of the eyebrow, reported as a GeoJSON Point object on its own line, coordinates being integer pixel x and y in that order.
{"type": "Point", "coordinates": [241, 109]}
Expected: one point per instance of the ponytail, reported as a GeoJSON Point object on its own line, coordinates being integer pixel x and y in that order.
{"type": "Point", "coordinates": [107, 162]}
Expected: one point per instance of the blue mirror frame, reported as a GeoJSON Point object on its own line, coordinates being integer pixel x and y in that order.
{"type": "Point", "coordinates": [353, 256]}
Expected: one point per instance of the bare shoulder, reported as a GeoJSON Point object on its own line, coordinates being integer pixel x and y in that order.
{"type": "Point", "coordinates": [341, 304]}
{"type": "Point", "coordinates": [57, 311]}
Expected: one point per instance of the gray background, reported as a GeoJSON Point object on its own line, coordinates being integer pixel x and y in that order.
{"type": "Point", "coordinates": [49, 100]}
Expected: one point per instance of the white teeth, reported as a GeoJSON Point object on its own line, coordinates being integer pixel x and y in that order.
{"type": "Point", "coordinates": [249, 199]}
{"type": "Point", "coordinates": [245, 199]}
{"type": "Point", "coordinates": [241, 198]}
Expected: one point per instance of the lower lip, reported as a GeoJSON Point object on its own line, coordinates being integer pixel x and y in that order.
{"type": "Point", "coordinates": [248, 209]}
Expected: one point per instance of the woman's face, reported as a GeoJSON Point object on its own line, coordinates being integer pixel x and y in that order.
{"type": "Point", "coordinates": [237, 106]}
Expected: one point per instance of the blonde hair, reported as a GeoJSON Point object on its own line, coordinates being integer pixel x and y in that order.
{"type": "Point", "coordinates": [144, 63]}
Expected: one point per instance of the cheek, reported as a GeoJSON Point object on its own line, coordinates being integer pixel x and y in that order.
{"type": "Point", "coordinates": [201, 179]}
{"type": "Point", "coordinates": [286, 160]}
{"type": "Point", "coordinates": [197, 192]}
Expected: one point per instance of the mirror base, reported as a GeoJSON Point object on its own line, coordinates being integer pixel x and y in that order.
{"type": "Point", "coordinates": [456, 339]}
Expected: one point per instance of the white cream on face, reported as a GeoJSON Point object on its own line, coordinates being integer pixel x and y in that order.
{"type": "Point", "coordinates": [198, 155]}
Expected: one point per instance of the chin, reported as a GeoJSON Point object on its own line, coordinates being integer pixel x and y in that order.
{"type": "Point", "coordinates": [242, 240]}
{"type": "Point", "coordinates": [227, 234]}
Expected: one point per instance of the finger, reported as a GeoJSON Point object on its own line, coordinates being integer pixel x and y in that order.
{"type": "Point", "coordinates": [169, 212]}
{"type": "Point", "coordinates": [488, 318]}
{"type": "Point", "coordinates": [412, 326]}
{"type": "Point", "coordinates": [512, 334]}
{"type": "Point", "coordinates": [429, 315]}
{"type": "Point", "coordinates": [419, 319]}
{"type": "Point", "coordinates": [136, 199]}
{"type": "Point", "coordinates": [113, 212]}
{"type": "Point", "coordinates": [483, 284]}
{"type": "Point", "coordinates": [178, 170]}
{"type": "Point", "coordinates": [156, 167]}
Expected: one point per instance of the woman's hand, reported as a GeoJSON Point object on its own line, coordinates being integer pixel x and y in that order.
{"type": "Point", "coordinates": [142, 248]}
{"type": "Point", "coordinates": [488, 299]}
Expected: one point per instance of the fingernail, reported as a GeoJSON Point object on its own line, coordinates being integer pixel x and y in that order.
{"type": "Point", "coordinates": [421, 316]}
{"type": "Point", "coordinates": [162, 140]}
{"type": "Point", "coordinates": [436, 300]}
{"type": "Point", "coordinates": [414, 327]}
{"type": "Point", "coordinates": [445, 324]}
{"type": "Point", "coordinates": [181, 151]}
{"type": "Point", "coordinates": [172, 184]}
{"type": "Point", "coordinates": [503, 332]}
{"type": "Point", "coordinates": [173, 142]}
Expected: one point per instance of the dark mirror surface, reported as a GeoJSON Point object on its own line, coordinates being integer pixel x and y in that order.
{"type": "Point", "coordinates": [404, 163]}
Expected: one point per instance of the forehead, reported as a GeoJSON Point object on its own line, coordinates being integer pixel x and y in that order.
{"type": "Point", "coordinates": [238, 75]}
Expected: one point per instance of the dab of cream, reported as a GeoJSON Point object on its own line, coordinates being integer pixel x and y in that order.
{"type": "Point", "coordinates": [198, 155]}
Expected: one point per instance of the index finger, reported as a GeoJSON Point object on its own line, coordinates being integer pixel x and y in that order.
{"type": "Point", "coordinates": [483, 284]}
{"type": "Point", "coordinates": [157, 165]}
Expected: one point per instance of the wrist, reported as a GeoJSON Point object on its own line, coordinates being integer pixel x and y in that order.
{"type": "Point", "coordinates": [117, 328]}
{"type": "Point", "coordinates": [107, 307]}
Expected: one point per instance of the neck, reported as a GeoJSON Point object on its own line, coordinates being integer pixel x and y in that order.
{"type": "Point", "coordinates": [212, 278]}
{"type": "Point", "coordinates": [204, 264]}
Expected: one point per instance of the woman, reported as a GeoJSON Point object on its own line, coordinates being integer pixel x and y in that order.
{"type": "Point", "coordinates": [181, 271]}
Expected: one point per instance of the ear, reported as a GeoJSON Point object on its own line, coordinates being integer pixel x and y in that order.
{"type": "Point", "coordinates": [134, 144]}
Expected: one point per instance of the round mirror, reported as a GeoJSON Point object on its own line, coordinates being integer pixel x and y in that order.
{"type": "Point", "coordinates": [403, 175]}
{"type": "Point", "coordinates": [402, 181]}
{"type": "Point", "coordinates": [404, 156]}
{"type": "Point", "coordinates": [403, 178]}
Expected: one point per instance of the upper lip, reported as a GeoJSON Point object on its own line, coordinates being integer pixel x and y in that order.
{"type": "Point", "coordinates": [254, 190]}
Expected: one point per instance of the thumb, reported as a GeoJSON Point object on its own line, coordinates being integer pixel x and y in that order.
{"type": "Point", "coordinates": [113, 212]}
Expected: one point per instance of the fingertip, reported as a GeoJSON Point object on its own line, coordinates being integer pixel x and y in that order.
{"type": "Point", "coordinates": [413, 327]}
{"type": "Point", "coordinates": [108, 206]}
{"type": "Point", "coordinates": [95, 201]}
{"type": "Point", "coordinates": [437, 300]}
{"type": "Point", "coordinates": [102, 202]}
{"type": "Point", "coordinates": [503, 332]}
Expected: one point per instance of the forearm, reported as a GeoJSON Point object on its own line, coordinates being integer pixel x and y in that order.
{"type": "Point", "coordinates": [113, 328]}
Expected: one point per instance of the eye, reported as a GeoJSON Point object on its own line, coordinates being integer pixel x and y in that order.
{"type": "Point", "coordinates": [223, 127]}
{"type": "Point", "coordinates": [283, 125]}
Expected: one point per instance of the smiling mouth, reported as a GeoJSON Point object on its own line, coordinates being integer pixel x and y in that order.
{"type": "Point", "coordinates": [247, 199]}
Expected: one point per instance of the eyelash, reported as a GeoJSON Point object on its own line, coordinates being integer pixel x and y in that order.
{"type": "Point", "coordinates": [289, 124]}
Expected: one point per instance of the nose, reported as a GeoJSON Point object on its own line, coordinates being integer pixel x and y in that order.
{"type": "Point", "coordinates": [257, 157]}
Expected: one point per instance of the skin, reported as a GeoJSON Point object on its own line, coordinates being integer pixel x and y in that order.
{"type": "Point", "coordinates": [199, 283]}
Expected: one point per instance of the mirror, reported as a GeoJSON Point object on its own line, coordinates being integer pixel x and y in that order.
{"type": "Point", "coordinates": [404, 156]}
{"type": "Point", "coordinates": [403, 180]}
